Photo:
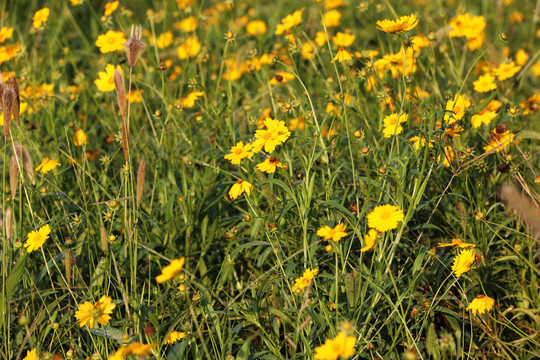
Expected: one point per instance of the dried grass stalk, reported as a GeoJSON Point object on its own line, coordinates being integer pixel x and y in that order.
{"type": "Point", "coordinates": [8, 221]}
{"type": "Point", "coordinates": [67, 263]}
{"type": "Point", "coordinates": [125, 140]}
{"type": "Point", "coordinates": [526, 208]}
{"type": "Point", "coordinates": [17, 103]}
{"type": "Point", "coordinates": [27, 162]}
{"type": "Point", "coordinates": [103, 235]}
{"type": "Point", "coordinates": [14, 170]}
{"type": "Point", "coordinates": [140, 180]}
{"type": "Point", "coordinates": [120, 92]}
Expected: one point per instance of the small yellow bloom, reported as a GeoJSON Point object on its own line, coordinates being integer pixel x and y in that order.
{"type": "Point", "coordinates": [105, 81]}
{"type": "Point", "coordinates": [404, 23]}
{"type": "Point", "coordinates": [276, 133]}
{"type": "Point", "coordinates": [5, 33]}
{"type": "Point", "coordinates": [341, 346]}
{"type": "Point", "coordinates": [506, 71]}
{"type": "Point", "coordinates": [385, 217]}
{"type": "Point", "coordinates": [239, 152]}
{"type": "Point", "coordinates": [485, 83]}
{"type": "Point", "coordinates": [392, 124]}
{"type": "Point", "coordinates": [290, 21]}
{"type": "Point", "coordinates": [458, 243]}
{"type": "Point", "coordinates": [307, 51]}
{"type": "Point", "coordinates": [111, 41]}
{"type": "Point", "coordinates": [481, 304]}
{"type": "Point", "coordinates": [484, 117]}
{"type": "Point", "coordinates": [189, 101]}
{"type": "Point", "coordinates": [342, 55]}
{"type": "Point", "coordinates": [256, 27]}
{"type": "Point", "coordinates": [189, 24]}
{"type": "Point", "coordinates": [189, 49]}
{"type": "Point", "coordinates": [455, 109]}
{"type": "Point", "coordinates": [171, 270]}
{"type": "Point", "coordinates": [369, 240]}
{"type": "Point", "coordinates": [270, 165]}
{"type": "Point", "coordinates": [164, 40]}
{"type": "Point", "coordinates": [302, 282]}
{"type": "Point", "coordinates": [336, 234]}
{"type": "Point", "coordinates": [343, 40]}
{"type": "Point", "coordinates": [47, 165]}
{"type": "Point", "coordinates": [463, 262]}
{"type": "Point", "coordinates": [31, 355]}
{"type": "Point", "coordinates": [239, 188]}
{"type": "Point", "coordinates": [320, 38]}
{"type": "Point", "coordinates": [499, 140]}
{"type": "Point", "coordinates": [9, 51]}
{"type": "Point", "coordinates": [175, 336]}
{"type": "Point", "coordinates": [111, 7]}
{"type": "Point", "coordinates": [332, 18]}
{"type": "Point", "coordinates": [80, 138]}
{"type": "Point", "coordinates": [36, 239]}
{"type": "Point", "coordinates": [40, 18]}
{"type": "Point", "coordinates": [89, 313]}
{"type": "Point", "coordinates": [448, 156]}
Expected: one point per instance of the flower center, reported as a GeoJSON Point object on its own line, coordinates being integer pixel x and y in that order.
{"type": "Point", "coordinates": [267, 135]}
{"type": "Point", "coordinates": [238, 151]}
{"type": "Point", "coordinates": [385, 215]}
{"type": "Point", "coordinates": [111, 40]}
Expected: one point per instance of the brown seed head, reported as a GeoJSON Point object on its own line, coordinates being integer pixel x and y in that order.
{"type": "Point", "coordinates": [120, 92]}
{"type": "Point", "coordinates": [134, 46]}
{"type": "Point", "coordinates": [140, 180]}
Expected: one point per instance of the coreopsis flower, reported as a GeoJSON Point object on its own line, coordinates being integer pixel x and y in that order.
{"type": "Point", "coordinates": [289, 21]}
{"type": "Point", "coordinates": [521, 57]}
{"type": "Point", "coordinates": [189, 49]}
{"type": "Point", "coordinates": [31, 355]}
{"type": "Point", "coordinates": [175, 336]}
{"type": "Point", "coordinates": [80, 138]}
{"type": "Point", "coordinates": [135, 96]}
{"type": "Point", "coordinates": [239, 188]}
{"type": "Point", "coordinates": [164, 40]}
{"type": "Point", "coordinates": [40, 18]}
{"type": "Point", "coordinates": [297, 124]}
{"type": "Point", "coordinates": [281, 77]}
{"type": "Point", "coordinates": [531, 105]}
{"type": "Point", "coordinates": [369, 240]}
{"type": "Point", "coordinates": [89, 313]}
{"type": "Point", "coordinates": [9, 51]}
{"type": "Point", "coordinates": [302, 282]}
{"type": "Point", "coordinates": [392, 124]}
{"type": "Point", "coordinates": [481, 304]}
{"type": "Point", "coordinates": [506, 71]}
{"type": "Point", "coordinates": [111, 41]}
{"type": "Point", "coordinates": [5, 33]}
{"type": "Point", "coordinates": [455, 109]}
{"type": "Point", "coordinates": [256, 27]}
{"type": "Point", "coordinates": [135, 348]}
{"type": "Point", "coordinates": [36, 239]}
{"type": "Point", "coordinates": [457, 242]}
{"type": "Point", "coordinates": [270, 165]}
{"type": "Point", "coordinates": [111, 7]}
{"type": "Point", "coordinates": [335, 234]}
{"type": "Point", "coordinates": [276, 133]}
{"type": "Point", "coordinates": [189, 101]}
{"type": "Point", "coordinates": [239, 152]}
{"type": "Point", "coordinates": [343, 40]}
{"type": "Point", "coordinates": [184, 4]}
{"type": "Point", "coordinates": [342, 346]}
{"type": "Point", "coordinates": [171, 270]}
{"type": "Point", "coordinates": [448, 156]}
{"type": "Point", "coordinates": [485, 83]}
{"type": "Point", "coordinates": [385, 217]}
{"type": "Point", "coordinates": [307, 51]}
{"type": "Point", "coordinates": [105, 80]}
{"type": "Point", "coordinates": [470, 27]}
{"type": "Point", "coordinates": [404, 23]}
{"type": "Point", "coordinates": [188, 25]}
{"type": "Point", "coordinates": [499, 139]}
{"type": "Point", "coordinates": [332, 18]}
{"type": "Point", "coordinates": [463, 262]}
{"type": "Point", "coordinates": [342, 55]}
{"type": "Point", "coordinates": [47, 165]}
{"type": "Point", "coordinates": [320, 38]}
{"type": "Point", "coordinates": [484, 117]}
{"type": "Point", "coordinates": [420, 142]}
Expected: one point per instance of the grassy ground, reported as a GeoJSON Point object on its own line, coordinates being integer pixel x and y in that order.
{"type": "Point", "coordinates": [145, 233]}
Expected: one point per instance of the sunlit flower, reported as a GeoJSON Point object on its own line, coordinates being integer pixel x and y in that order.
{"type": "Point", "coordinates": [481, 304]}
{"type": "Point", "coordinates": [342, 346]}
{"type": "Point", "coordinates": [448, 156]}
{"type": "Point", "coordinates": [297, 124]}
{"type": "Point", "coordinates": [9, 51]}
{"type": "Point", "coordinates": [40, 18]}
{"type": "Point", "coordinates": [239, 188]}
{"type": "Point", "coordinates": [484, 117]}
{"type": "Point", "coordinates": [392, 124]}
{"type": "Point", "coordinates": [5, 33]}
{"type": "Point", "coordinates": [276, 133]}
{"type": "Point", "coordinates": [175, 336]}
{"type": "Point", "coordinates": [320, 38]}
{"type": "Point", "coordinates": [463, 262]}
{"type": "Point", "coordinates": [164, 40]}
{"type": "Point", "coordinates": [239, 152]}
{"type": "Point", "coordinates": [499, 140]}
{"type": "Point", "coordinates": [332, 18]}
{"type": "Point", "coordinates": [281, 77]}
{"type": "Point", "coordinates": [506, 71]}
{"type": "Point", "coordinates": [420, 142]}
{"type": "Point", "coordinates": [189, 24]}
{"type": "Point", "coordinates": [369, 240]}
{"type": "Point", "coordinates": [290, 21]}
{"type": "Point", "coordinates": [302, 282]}
{"type": "Point", "coordinates": [36, 239]}
{"type": "Point", "coordinates": [404, 23]}
{"type": "Point", "coordinates": [521, 57]}
{"type": "Point", "coordinates": [31, 355]}
{"type": "Point", "coordinates": [105, 81]}
{"type": "Point", "coordinates": [183, 4]}
{"type": "Point", "coordinates": [171, 270]}
{"type": "Point", "coordinates": [458, 243]}
{"type": "Point", "coordinates": [189, 49]}
{"type": "Point", "coordinates": [385, 217]}
{"type": "Point", "coordinates": [135, 348]}
{"type": "Point", "coordinates": [111, 41]}
{"type": "Point", "coordinates": [270, 165]}
{"type": "Point", "coordinates": [485, 83]}
{"type": "Point", "coordinates": [342, 39]}
{"type": "Point", "coordinates": [531, 105]}
{"type": "Point", "coordinates": [470, 27]}
{"type": "Point", "coordinates": [455, 109]}
{"type": "Point", "coordinates": [47, 165]}
{"type": "Point", "coordinates": [80, 138]}
{"type": "Point", "coordinates": [256, 27]}
{"type": "Point", "coordinates": [89, 313]}
{"type": "Point", "coordinates": [342, 55]}
{"type": "Point", "coordinates": [308, 51]}
{"type": "Point", "coordinates": [111, 7]}
{"type": "Point", "coordinates": [189, 101]}
{"type": "Point", "coordinates": [335, 234]}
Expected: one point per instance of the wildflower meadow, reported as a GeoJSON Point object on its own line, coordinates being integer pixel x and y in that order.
{"type": "Point", "coordinates": [241, 179]}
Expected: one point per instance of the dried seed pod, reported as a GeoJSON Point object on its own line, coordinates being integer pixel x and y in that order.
{"type": "Point", "coordinates": [140, 180]}
{"type": "Point", "coordinates": [120, 92]}
{"type": "Point", "coordinates": [103, 236]}
{"type": "Point", "coordinates": [27, 163]}
{"type": "Point", "coordinates": [8, 221]}
{"type": "Point", "coordinates": [134, 46]}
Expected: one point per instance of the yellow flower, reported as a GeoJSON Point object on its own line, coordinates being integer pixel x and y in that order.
{"type": "Point", "coordinates": [239, 152]}
{"type": "Point", "coordinates": [419, 142]}
{"type": "Point", "coordinates": [105, 81]}
{"type": "Point", "coordinates": [31, 355]}
{"type": "Point", "coordinates": [40, 17]}
{"type": "Point", "coordinates": [484, 117]}
{"type": "Point", "coordinates": [164, 40]}
{"type": "Point", "coordinates": [281, 77]}
{"type": "Point", "coordinates": [256, 27]}
{"type": "Point", "coordinates": [485, 83]}
{"type": "Point", "coordinates": [175, 336]}
{"type": "Point", "coordinates": [499, 140]}
{"type": "Point", "coordinates": [9, 51]}
{"type": "Point", "coordinates": [135, 96]}
{"type": "Point", "coordinates": [385, 217]}
{"type": "Point", "coordinates": [455, 109]}
{"type": "Point", "coordinates": [506, 71]}
{"type": "Point", "coordinates": [290, 21]}
{"type": "Point", "coordinates": [392, 124]}
{"type": "Point", "coordinates": [342, 39]}
{"type": "Point", "coordinates": [111, 41]}
{"type": "Point", "coordinates": [320, 38]}
{"type": "Point", "coordinates": [89, 313]}
{"type": "Point", "coordinates": [297, 124]}
{"type": "Point", "coordinates": [404, 23]}
{"type": "Point", "coordinates": [36, 239]}
{"type": "Point", "coordinates": [369, 240]}
{"type": "Point", "coordinates": [239, 188]}
{"type": "Point", "coordinates": [448, 156]}
{"type": "Point", "coordinates": [463, 262]}
{"type": "Point", "coordinates": [341, 346]}
{"type": "Point", "coordinates": [189, 24]}
{"type": "Point", "coordinates": [189, 101]}
{"type": "Point", "coordinates": [302, 282]}
{"type": "Point", "coordinates": [481, 304]}
{"type": "Point", "coordinates": [332, 18]}
{"type": "Point", "coordinates": [111, 7]}
{"type": "Point", "coordinates": [80, 138]}
{"type": "Point", "coordinates": [47, 165]}
{"type": "Point", "coordinates": [336, 234]}
{"type": "Point", "coordinates": [276, 133]}
{"type": "Point", "coordinates": [189, 49]}
{"type": "Point", "coordinates": [458, 243]}
{"type": "Point", "coordinates": [470, 27]}
{"type": "Point", "coordinates": [531, 105]}
{"type": "Point", "coordinates": [270, 165]}
{"type": "Point", "coordinates": [342, 55]}
{"type": "Point", "coordinates": [135, 348]}
{"type": "Point", "coordinates": [183, 4]}
{"type": "Point", "coordinates": [521, 57]}
{"type": "Point", "coordinates": [307, 51]}
{"type": "Point", "coordinates": [5, 33]}
{"type": "Point", "coordinates": [171, 270]}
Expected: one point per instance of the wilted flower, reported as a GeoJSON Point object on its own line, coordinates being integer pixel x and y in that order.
{"type": "Point", "coordinates": [239, 188]}
{"type": "Point", "coordinates": [481, 304]}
